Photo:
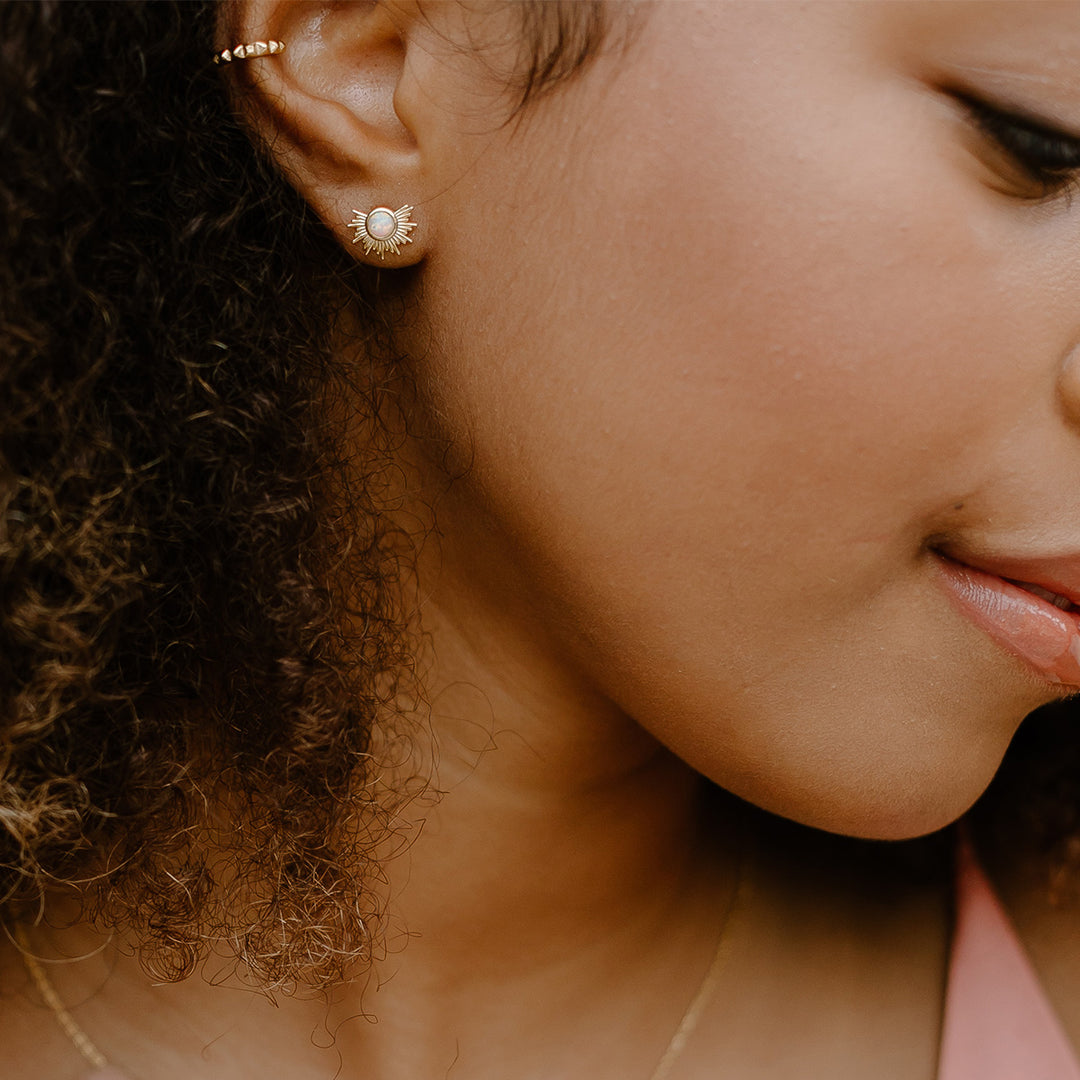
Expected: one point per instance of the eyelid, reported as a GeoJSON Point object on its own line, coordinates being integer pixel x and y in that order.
{"type": "Point", "coordinates": [1019, 116]}
{"type": "Point", "coordinates": [1036, 146]}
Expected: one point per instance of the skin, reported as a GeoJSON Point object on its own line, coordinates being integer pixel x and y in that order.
{"type": "Point", "coordinates": [750, 363]}
{"type": "Point", "coordinates": [716, 343]}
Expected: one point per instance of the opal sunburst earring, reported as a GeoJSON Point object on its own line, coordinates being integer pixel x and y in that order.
{"type": "Point", "coordinates": [382, 229]}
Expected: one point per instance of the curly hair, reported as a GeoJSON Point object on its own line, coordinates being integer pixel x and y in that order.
{"type": "Point", "coordinates": [199, 602]}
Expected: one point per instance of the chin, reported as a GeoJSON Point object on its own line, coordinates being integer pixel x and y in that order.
{"type": "Point", "coordinates": [903, 814]}
{"type": "Point", "coordinates": [887, 804]}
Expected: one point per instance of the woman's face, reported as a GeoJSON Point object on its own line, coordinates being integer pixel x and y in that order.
{"type": "Point", "coordinates": [734, 332]}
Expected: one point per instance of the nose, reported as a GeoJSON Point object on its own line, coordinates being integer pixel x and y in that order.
{"type": "Point", "coordinates": [1069, 385]}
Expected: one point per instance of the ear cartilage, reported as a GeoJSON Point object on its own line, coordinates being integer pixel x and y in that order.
{"type": "Point", "coordinates": [249, 51]}
{"type": "Point", "coordinates": [382, 229]}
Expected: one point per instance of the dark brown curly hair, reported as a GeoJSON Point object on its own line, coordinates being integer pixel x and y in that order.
{"type": "Point", "coordinates": [198, 590]}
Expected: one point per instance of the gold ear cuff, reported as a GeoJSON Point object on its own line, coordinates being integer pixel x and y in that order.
{"type": "Point", "coordinates": [249, 51]}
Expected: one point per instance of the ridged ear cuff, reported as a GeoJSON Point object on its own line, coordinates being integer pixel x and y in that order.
{"type": "Point", "coordinates": [382, 229]}
{"type": "Point", "coordinates": [249, 51]}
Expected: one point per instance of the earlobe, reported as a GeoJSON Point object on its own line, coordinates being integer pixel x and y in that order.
{"type": "Point", "coordinates": [325, 107]}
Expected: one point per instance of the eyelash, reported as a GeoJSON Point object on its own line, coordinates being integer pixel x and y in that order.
{"type": "Point", "coordinates": [1048, 157]}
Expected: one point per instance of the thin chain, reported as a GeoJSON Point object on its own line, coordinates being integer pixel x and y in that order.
{"type": "Point", "coordinates": [79, 1038]}
{"type": "Point", "coordinates": [709, 983]}
{"type": "Point", "coordinates": [687, 1023]}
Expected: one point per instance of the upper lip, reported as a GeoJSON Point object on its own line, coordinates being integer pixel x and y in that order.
{"type": "Point", "coordinates": [1058, 574]}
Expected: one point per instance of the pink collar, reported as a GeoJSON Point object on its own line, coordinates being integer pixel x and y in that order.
{"type": "Point", "coordinates": [999, 1023]}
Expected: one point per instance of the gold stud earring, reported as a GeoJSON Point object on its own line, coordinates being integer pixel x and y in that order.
{"type": "Point", "coordinates": [249, 51]}
{"type": "Point", "coordinates": [382, 229]}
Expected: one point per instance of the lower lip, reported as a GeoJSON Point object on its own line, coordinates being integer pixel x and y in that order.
{"type": "Point", "coordinates": [1027, 626]}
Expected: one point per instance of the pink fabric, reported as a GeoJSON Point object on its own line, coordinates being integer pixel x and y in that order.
{"type": "Point", "coordinates": [999, 1024]}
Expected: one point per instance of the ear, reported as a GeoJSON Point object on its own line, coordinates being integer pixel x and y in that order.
{"type": "Point", "coordinates": [332, 108]}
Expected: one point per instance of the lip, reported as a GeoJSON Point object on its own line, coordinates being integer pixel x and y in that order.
{"type": "Point", "coordinates": [1025, 625]}
{"type": "Point", "coordinates": [1056, 573]}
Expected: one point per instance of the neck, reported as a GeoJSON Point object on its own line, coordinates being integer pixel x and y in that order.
{"type": "Point", "coordinates": [561, 891]}
{"type": "Point", "coordinates": [567, 852]}
{"type": "Point", "coordinates": [550, 908]}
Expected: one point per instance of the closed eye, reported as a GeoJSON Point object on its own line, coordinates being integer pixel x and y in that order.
{"type": "Point", "coordinates": [1047, 158]}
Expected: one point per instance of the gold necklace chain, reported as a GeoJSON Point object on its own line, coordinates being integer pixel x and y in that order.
{"type": "Point", "coordinates": [687, 1022]}
{"type": "Point", "coordinates": [706, 988]}
{"type": "Point", "coordinates": [72, 1030]}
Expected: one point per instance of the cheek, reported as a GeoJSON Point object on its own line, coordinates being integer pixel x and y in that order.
{"type": "Point", "coordinates": [695, 295]}
{"type": "Point", "coordinates": [726, 382]}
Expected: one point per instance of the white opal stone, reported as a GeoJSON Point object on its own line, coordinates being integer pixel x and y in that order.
{"type": "Point", "coordinates": [381, 224]}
